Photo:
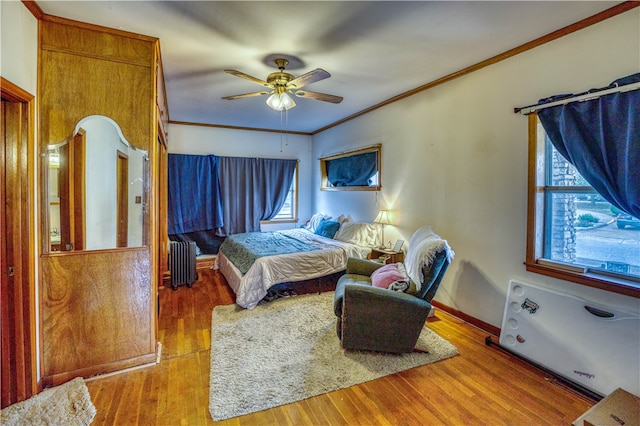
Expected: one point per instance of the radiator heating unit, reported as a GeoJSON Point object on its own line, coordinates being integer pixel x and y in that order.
{"type": "Point", "coordinates": [591, 344]}
{"type": "Point", "coordinates": [182, 263]}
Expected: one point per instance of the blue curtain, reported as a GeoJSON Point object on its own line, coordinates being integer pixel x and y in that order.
{"type": "Point", "coordinates": [601, 138]}
{"type": "Point", "coordinates": [253, 189]}
{"type": "Point", "coordinates": [194, 200]}
{"type": "Point", "coordinates": [354, 170]}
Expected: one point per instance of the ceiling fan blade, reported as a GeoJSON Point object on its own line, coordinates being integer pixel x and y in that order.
{"type": "Point", "coordinates": [246, 95]}
{"type": "Point", "coordinates": [248, 77]}
{"type": "Point", "coordinates": [319, 96]}
{"type": "Point", "coordinates": [308, 78]}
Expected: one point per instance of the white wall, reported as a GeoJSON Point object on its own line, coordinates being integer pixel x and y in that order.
{"type": "Point", "coordinates": [455, 157]}
{"type": "Point", "coordinates": [18, 45]}
{"type": "Point", "coordinates": [100, 206]}
{"type": "Point", "coordinates": [19, 61]}
{"type": "Point", "coordinates": [202, 140]}
{"type": "Point", "coordinates": [104, 140]}
{"type": "Point", "coordinates": [137, 159]}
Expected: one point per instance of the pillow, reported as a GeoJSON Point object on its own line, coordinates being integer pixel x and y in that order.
{"type": "Point", "coordinates": [342, 219]}
{"type": "Point", "coordinates": [383, 277]}
{"type": "Point", "coordinates": [315, 221]}
{"type": "Point", "coordinates": [327, 228]}
{"type": "Point", "coordinates": [358, 233]}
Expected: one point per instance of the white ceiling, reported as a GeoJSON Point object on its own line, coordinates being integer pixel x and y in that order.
{"type": "Point", "coordinates": [373, 50]}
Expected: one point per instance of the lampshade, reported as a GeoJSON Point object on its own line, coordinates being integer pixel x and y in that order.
{"type": "Point", "coordinates": [280, 101]}
{"type": "Point", "coordinates": [383, 217]}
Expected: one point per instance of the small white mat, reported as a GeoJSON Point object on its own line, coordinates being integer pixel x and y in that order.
{"type": "Point", "coordinates": [68, 404]}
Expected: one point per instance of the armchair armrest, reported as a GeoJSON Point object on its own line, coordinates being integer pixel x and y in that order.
{"type": "Point", "coordinates": [362, 266]}
{"type": "Point", "coordinates": [381, 319]}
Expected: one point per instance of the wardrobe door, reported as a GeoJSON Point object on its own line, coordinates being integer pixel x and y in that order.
{"type": "Point", "coordinates": [17, 304]}
{"type": "Point", "coordinates": [98, 293]}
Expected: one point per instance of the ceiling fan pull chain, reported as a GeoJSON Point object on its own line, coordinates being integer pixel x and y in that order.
{"type": "Point", "coordinates": [286, 127]}
{"type": "Point", "coordinates": [281, 131]}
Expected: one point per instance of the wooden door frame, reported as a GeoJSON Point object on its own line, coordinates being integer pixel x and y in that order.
{"type": "Point", "coordinates": [71, 192]}
{"type": "Point", "coordinates": [122, 197]}
{"type": "Point", "coordinates": [65, 196]}
{"type": "Point", "coordinates": [79, 189]}
{"type": "Point", "coordinates": [26, 380]}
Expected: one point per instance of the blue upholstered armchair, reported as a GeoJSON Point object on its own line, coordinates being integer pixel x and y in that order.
{"type": "Point", "coordinates": [379, 319]}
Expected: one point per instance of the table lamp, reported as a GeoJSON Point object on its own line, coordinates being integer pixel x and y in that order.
{"type": "Point", "coordinates": [383, 219]}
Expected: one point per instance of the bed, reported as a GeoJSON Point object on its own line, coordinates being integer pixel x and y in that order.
{"type": "Point", "coordinates": [311, 256]}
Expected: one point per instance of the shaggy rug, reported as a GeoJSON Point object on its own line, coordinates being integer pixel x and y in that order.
{"type": "Point", "coordinates": [68, 404]}
{"type": "Point", "coordinates": [288, 350]}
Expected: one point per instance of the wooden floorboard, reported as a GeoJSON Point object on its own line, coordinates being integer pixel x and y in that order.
{"type": "Point", "coordinates": [481, 386]}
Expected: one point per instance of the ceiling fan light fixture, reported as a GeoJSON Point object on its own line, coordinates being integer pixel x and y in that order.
{"type": "Point", "coordinates": [280, 102]}
{"type": "Point", "coordinates": [283, 83]}
{"type": "Point", "coordinates": [287, 101]}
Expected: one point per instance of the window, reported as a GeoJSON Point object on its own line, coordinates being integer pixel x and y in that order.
{"type": "Point", "coordinates": [573, 233]}
{"type": "Point", "coordinates": [289, 210]}
{"type": "Point", "coordinates": [357, 170]}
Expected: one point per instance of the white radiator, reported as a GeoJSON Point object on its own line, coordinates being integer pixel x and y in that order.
{"type": "Point", "coordinates": [595, 346]}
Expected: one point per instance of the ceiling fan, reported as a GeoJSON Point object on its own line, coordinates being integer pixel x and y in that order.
{"type": "Point", "coordinates": [281, 82]}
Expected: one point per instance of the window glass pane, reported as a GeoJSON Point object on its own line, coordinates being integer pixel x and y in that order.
{"type": "Point", "coordinates": [288, 209]}
{"type": "Point", "coordinates": [585, 230]}
{"type": "Point", "coordinates": [375, 179]}
{"type": "Point", "coordinates": [353, 170]}
{"type": "Point", "coordinates": [286, 212]}
{"type": "Point", "coordinates": [561, 173]}
{"type": "Point", "coordinates": [582, 228]}
{"type": "Point", "coordinates": [357, 170]}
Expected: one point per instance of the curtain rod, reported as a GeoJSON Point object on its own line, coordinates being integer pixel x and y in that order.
{"type": "Point", "coordinates": [583, 97]}
{"type": "Point", "coordinates": [353, 151]}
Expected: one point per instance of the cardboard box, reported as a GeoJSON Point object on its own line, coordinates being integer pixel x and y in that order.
{"type": "Point", "coordinates": [617, 409]}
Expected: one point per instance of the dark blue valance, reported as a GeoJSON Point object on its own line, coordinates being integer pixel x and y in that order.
{"type": "Point", "coordinates": [194, 198]}
{"type": "Point", "coordinates": [601, 138]}
{"type": "Point", "coordinates": [352, 170]}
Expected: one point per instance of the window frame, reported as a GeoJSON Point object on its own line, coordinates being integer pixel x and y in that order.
{"type": "Point", "coordinates": [294, 188]}
{"type": "Point", "coordinates": [324, 181]}
{"type": "Point", "coordinates": [534, 260]}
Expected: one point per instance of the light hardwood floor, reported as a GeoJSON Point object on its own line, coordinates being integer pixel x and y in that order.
{"type": "Point", "coordinates": [481, 386]}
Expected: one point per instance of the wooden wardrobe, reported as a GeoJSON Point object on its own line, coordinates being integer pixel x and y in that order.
{"type": "Point", "coordinates": [98, 308]}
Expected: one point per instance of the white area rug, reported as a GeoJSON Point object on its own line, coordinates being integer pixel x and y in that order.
{"type": "Point", "coordinates": [68, 404]}
{"type": "Point", "coordinates": [288, 350]}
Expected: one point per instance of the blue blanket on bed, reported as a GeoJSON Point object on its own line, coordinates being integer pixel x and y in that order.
{"type": "Point", "coordinates": [243, 249]}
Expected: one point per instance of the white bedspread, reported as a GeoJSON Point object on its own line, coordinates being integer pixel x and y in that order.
{"type": "Point", "coordinates": [251, 287]}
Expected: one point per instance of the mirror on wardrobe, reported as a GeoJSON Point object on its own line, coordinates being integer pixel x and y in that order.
{"type": "Point", "coordinates": [97, 189]}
